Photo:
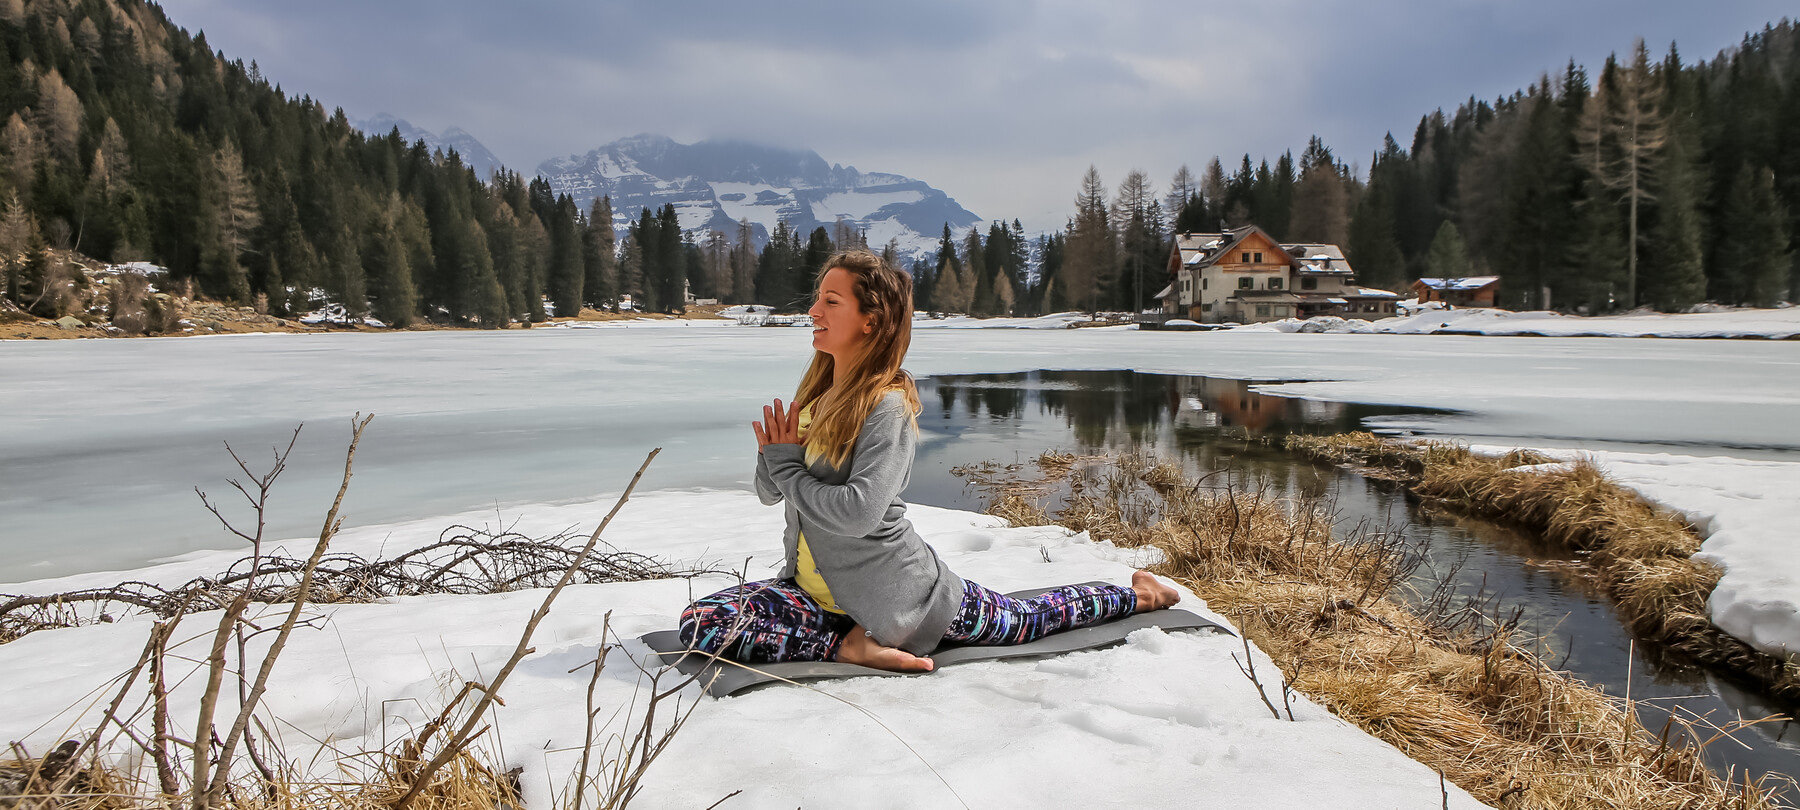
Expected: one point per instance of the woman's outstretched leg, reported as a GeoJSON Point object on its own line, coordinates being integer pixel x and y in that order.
{"type": "Point", "coordinates": [988, 618]}
{"type": "Point", "coordinates": [763, 622]}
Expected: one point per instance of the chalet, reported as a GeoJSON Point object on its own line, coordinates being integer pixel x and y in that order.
{"type": "Point", "coordinates": [1474, 291]}
{"type": "Point", "coordinates": [1243, 275]}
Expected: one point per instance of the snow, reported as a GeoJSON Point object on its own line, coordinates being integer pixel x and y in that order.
{"type": "Point", "coordinates": [1745, 511]}
{"type": "Point", "coordinates": [1163, 720]}
{"type": "Point", "coordinates": [1058, 320]}
{"type": "Point", "coordinates": [912, 243]}
{"type": "Point", "coordinates": [1331, 324]}
{"type": "Point", "coordinates": [336, 313]}
{"type": "Point", "coordinates": [1433, 318]}
{"type": "Point", "coordinates": [747, 207]}
{"type": "Point", "coordinates": [1469, 283]}
{"type": "Point", "coordinates": [861, 204]}
{"type": "Point", "coordinates": [640, 323]}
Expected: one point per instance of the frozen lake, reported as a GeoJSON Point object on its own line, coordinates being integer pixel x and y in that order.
{"type": "Point", "coordinates": [103, 442]}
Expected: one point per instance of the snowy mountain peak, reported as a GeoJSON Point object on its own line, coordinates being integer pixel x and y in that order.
{"type": "Point", "coordinates": [714, 185]}
{"type": "Point", "coordinates": [474, 154]}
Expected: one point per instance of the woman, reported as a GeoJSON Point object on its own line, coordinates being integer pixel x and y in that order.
{"type": "Point", "coordinates": [858, 584]}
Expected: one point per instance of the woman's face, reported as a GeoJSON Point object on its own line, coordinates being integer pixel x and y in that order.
{"type": "Point", "coordinates": [840, 327]}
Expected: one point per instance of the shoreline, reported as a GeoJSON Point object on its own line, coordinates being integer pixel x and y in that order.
{"type": "Point", "coordinates": [1644, 555]}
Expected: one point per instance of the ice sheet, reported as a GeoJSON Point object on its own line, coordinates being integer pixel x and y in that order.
{"type": "Point", "coordinates": [104, 441]}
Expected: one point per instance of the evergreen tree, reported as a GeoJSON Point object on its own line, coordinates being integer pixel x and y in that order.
{"type": "Point", "coordinates": [1449, 258]}
{"type": "Point", "coordinates": [1090, 263]}
{"type": "Point", "coordinates": [1535, 206]}
{"type": "Point", "coordinates": [778, 274]}
{"type": "Point", "coordinates": [743, 265]}
{"type": "Point", "coordinates": [819, 250]}
{"type": "Point", "coordinates": [1142, 251]}
{"type": "Point", "coordinates": [1321, 207]}
{"type": "Point", "coordinates": [396, 300]}
{"type": "Point", "coordinates": [600, 271]}
{"type": "Point", "coordinates": [1674, 276]}
{"type": "Point", "coordinates": [670, 251]}
{"type": "Point", "coordinates": [1752, 255]}
{"type": "Point", "coordinates": [977, 278]}
{"type": "Point", "coordinates": [567, 271]}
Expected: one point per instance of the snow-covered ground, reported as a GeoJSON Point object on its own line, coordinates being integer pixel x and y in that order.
{"type": "Point", "coordinates": [1747, 513]}
{"type": "Point", "coordinates": [1736, 323]}
{"type": "Point", "coordinates": [1058, 320]}
{"type": "Point", "coordinates": [1165, 720]}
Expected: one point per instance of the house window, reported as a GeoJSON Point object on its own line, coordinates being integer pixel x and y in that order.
{"type": "Point", "coordinates": [1309, 284]}
{"type": "Point", "coordinates": [1274, 283]}
{"type": "Point", "coordinates": [1206, 307]}
{"type": "Point", "coordinates": [1258, 258]}
{"type": "Point", "coordinates": [1262, 310]}
{"type": "Point", "coordinates": [1246, 257]}
{"type": "Point", "coordinates": [1246, 283]}
{"type": "Point", "coordinates": [1203, 284]}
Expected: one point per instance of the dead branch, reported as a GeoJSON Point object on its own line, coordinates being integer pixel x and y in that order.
{"type": "Point", "coordinates": [214, 790]}
{"type": "Point", "coordinates": [523, 649]}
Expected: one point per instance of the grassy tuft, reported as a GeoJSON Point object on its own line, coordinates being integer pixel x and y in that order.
{"type": "Point", "coordinates": [1642, 555]}
{"type": "Point", "coordinates": [1445, 683]}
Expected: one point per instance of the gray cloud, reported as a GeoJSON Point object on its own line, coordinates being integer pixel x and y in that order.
{"type": "Point", "coordinates": [1002, 104]}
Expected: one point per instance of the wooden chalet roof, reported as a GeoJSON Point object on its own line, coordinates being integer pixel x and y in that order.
{"type": "Point", "coordinates": [1319, 257]}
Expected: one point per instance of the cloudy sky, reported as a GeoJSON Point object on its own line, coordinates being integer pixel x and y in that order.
{"type": "Point", "coordinates": [1001, 103]}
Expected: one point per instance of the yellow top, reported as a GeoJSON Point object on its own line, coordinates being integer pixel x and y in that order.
{"type": "Point", "coordinates": [806, 572]}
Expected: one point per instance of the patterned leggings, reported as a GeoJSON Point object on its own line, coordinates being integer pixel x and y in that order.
{"type": "Point", "coordinates": [775, 620]}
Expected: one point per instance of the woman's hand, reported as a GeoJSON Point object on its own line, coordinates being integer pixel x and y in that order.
{"type": "Point", "coordinates": [778, 426]}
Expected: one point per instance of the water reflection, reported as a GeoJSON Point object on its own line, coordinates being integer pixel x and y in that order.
{"type": "Point", "coordinates": [1212, 424]}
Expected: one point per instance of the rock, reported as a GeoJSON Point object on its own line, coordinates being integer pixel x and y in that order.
{"type": "Point", "coordinates": [68, 322]}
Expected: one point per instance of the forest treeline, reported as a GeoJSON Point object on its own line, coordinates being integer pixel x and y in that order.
{"type": "Point", "coordinates": [124, 138]}
{"type": "Point", "coordinates": [1654, 183]}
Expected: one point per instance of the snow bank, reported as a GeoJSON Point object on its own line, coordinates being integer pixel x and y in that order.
{"type": "Point", "coordinates": [1746, 512]}
{"type": "Point", "coordinates": [638, 323]}
{"type": "Point", "coordinates": [1734, 323]}
{"type": "Point", "coordinates": [1164, 720]}
{"type": "Point", "coordinates": [1058, 320]}
{"type": "Point", "coordinates": [1324, 324]}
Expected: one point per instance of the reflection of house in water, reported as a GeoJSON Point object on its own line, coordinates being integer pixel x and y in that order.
{"type": "Point", "coordinates": [1316, 412]}
{"type": "Point", "coordinates": [1191, 412]}
{"type": "Point", "coordinates": [1228, 403]}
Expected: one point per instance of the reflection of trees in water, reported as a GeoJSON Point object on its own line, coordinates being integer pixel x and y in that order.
{"type": "Point", "coordinates": [1126, 406]}
{"type": "Point", "coordinates": [1207, 422]}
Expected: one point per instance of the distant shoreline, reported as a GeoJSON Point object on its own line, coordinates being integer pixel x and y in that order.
{"type": "Point", "coordinates": [229, 321]}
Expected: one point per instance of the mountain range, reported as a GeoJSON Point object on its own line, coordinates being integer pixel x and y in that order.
{"type": "Point", "coordinates": [473, 153]}
{"type": "Point", "coordinates": [715, 185]}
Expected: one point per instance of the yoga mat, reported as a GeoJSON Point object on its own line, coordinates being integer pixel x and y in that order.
{"type": "Point", "coordinates": [721, 678]}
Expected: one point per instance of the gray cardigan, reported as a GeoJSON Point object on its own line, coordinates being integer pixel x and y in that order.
{"type": "Point", "coordinates": [879, 570]}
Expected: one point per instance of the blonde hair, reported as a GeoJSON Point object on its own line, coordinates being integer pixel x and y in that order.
{"type": "Point", "coordinates": [842, 399]}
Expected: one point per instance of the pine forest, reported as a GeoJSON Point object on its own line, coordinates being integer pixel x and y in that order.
{"type": "Point", "coordinates": [1651, 182]}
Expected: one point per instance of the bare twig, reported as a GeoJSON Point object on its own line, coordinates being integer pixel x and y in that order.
{"type": "Point", "coordinates": [1250, 672]}
{"type": "Point", "coordinates": [523, 649]}
{"type": "Point", "coordinates": [213, 791]}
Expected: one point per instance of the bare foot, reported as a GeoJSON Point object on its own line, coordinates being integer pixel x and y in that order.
{"type": "Point", "coordinates": [862, 649]}
{"type": "Point", "coordinates": [1152, 594]}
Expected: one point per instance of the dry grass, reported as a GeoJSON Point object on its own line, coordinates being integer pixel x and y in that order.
{"type": "Point", "coordinates": [1641, 555]}
{"type": "Point", "coordinates": [1445, 683]}
{"type": "Point", "coordinates": [466, 784]}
